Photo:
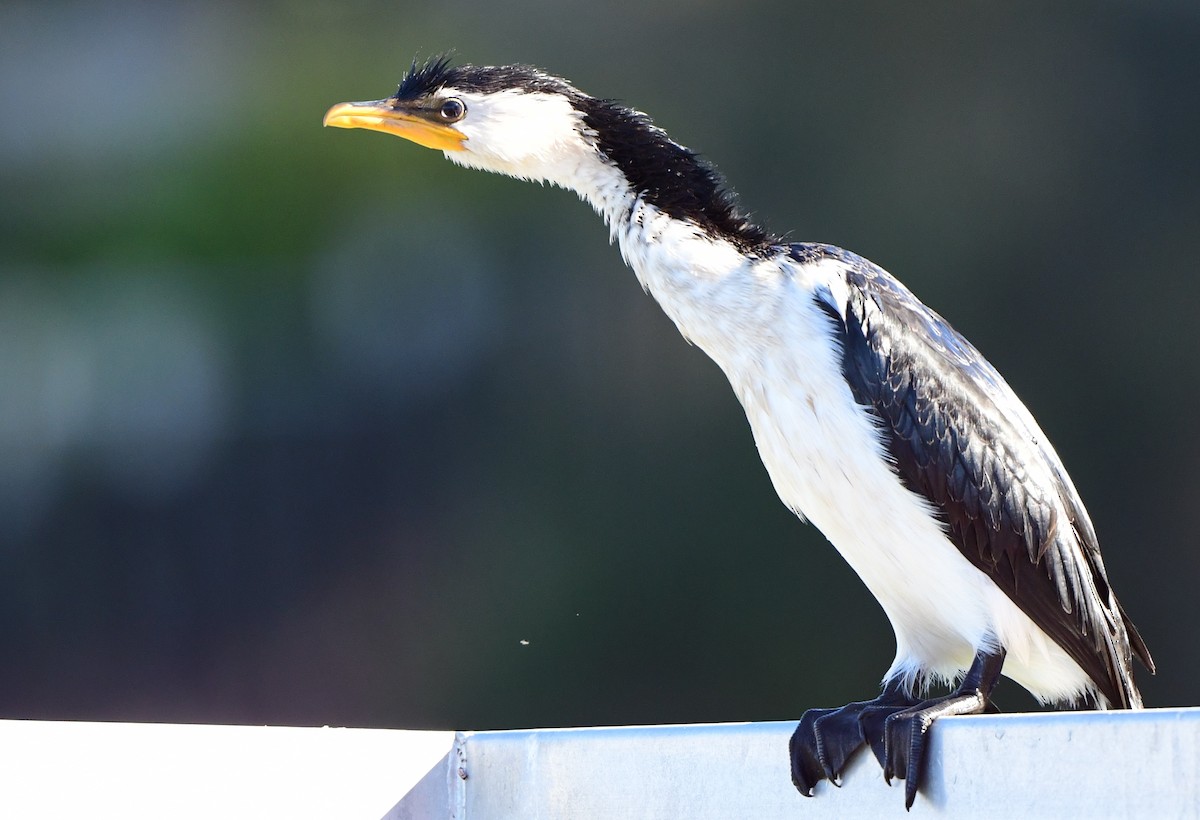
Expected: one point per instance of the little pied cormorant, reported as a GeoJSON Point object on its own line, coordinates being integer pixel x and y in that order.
{"type": "Point", "coordinates": [875, 419]}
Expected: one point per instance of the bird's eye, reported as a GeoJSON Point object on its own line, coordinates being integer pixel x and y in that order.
{"type": "Point", "coordinates": [452, 110]}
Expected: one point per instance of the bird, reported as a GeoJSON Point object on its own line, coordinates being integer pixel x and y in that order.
{"type": "Point", "coordinates": [876, 421]}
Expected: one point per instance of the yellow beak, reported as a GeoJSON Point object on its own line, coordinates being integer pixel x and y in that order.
{"type": "Point", "coordinates": [381, 116]}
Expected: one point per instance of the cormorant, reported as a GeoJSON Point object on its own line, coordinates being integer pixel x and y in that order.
{"type": "Point", "coordinates": [875, 419]}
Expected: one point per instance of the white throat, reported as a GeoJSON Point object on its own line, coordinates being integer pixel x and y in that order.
{"type": "Point", "coordinates": [708, 287]}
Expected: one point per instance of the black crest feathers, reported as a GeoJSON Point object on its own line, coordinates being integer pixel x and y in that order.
{"type": "Point", "coordinates": [424, 79]}
{"type": "Point", "coordinates": [437, 73]}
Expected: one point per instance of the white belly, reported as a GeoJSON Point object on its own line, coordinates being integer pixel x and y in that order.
{"type": "Point", "coordinates": [826, 461]}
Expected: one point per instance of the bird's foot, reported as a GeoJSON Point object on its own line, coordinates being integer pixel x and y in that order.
{"type": "Point", "coordinates": [895, 725]}
{"type": "Point", "coordinates": [906, 732]}
{"type": "Point", "coordinates": [826, 738]}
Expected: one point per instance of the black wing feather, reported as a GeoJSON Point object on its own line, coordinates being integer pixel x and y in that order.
{"type": "Point", "coordinates": [960, 438]}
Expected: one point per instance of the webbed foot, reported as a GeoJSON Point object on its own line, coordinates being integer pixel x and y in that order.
{"type": "Point", "coordinates": [906, 732]}
{"type": "Point", "coordinates": [827, 738]}
{"type": "Point", "coordinates": [895, 725]}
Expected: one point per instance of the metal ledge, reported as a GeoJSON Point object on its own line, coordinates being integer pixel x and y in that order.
{"type": "Point", "coordinates": [1076, 764]}
{"type": "Point", "coordinates": [1054, 764]}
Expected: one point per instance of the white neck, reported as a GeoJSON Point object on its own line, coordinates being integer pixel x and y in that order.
{"type": "Point", "coordinates": [713, 293]}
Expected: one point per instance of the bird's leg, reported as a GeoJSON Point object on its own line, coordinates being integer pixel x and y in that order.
{"type": "Point", "coordinates": [826, 738]}
{"type": "Point", "coordinates": [905, 733]}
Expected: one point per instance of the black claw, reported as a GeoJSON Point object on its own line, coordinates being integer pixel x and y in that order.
{"type": "Point", "coordinates": [907, 735]}
{"type": "Point", "coordinates": [916, 760]}
{"type": "Point", "coordinates": [807, 769]}
{"type": "Point", "coordinates": [821, 745]}
{"type": "Point", "coordinates": [874, 727]}
{"type": "Point", "coordinates": [839, 735]}
{"type": "Point", "coordinates": [896, 745]}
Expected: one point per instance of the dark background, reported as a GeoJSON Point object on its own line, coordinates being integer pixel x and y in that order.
{"type": "Point", "coordinates": [309, 426]}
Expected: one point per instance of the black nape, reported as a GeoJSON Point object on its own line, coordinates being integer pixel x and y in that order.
{"type": "Point", "coordinates": [669, 176]}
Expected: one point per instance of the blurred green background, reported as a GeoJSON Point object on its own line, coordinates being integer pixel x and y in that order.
{"type": "Point", "coordinates": [309, 426]}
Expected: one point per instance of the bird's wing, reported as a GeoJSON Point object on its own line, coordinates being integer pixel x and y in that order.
{"type": "Point", "coordinates": [960, 437]}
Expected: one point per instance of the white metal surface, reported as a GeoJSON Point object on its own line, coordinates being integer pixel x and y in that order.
{"type": "Point", "coordinates": [67, 771]}
{"type": "Point", "coordinates": [1060, 765]}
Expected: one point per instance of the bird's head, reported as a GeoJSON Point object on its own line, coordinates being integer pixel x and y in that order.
{"type": "Point", "coordinates": [520, 121]}
{"type": "Point", "coordinates": [513, 120]}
